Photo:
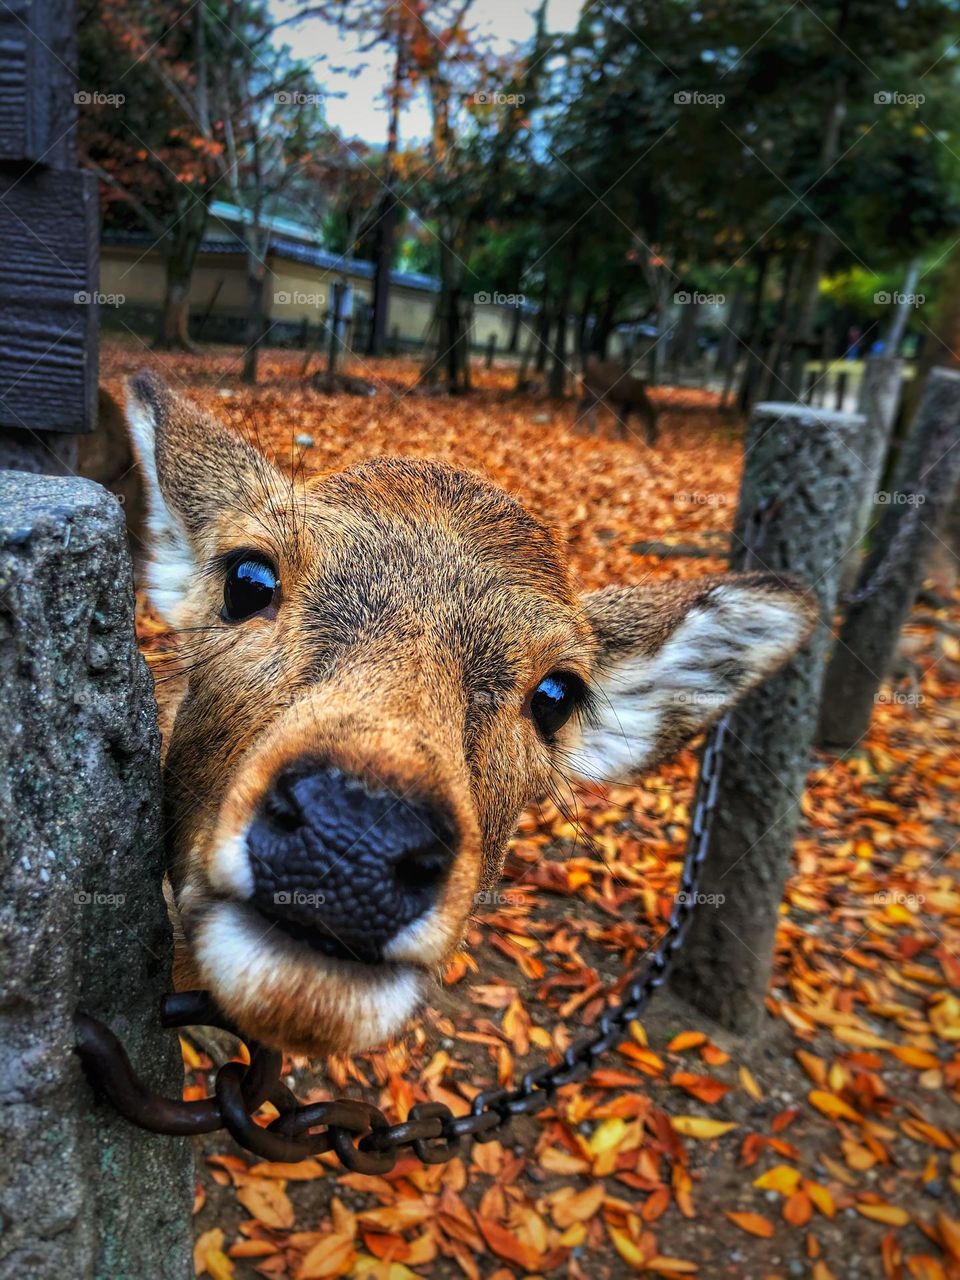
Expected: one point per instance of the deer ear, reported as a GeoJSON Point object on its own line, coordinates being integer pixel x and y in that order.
{"type": "Point", "coordinates": [195, 469]}
{"type": "Point", "coordinates": [675, 656]}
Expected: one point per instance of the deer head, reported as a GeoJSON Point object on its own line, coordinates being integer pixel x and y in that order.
{"type": "Point", "coordinates": [384, 665]}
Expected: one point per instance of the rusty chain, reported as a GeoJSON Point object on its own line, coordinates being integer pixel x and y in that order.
{"type": "Point", "coordinates": [357, 1132]}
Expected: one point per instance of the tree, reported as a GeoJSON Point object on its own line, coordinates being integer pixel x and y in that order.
{"type": "Point", "coordinates": [158, 155]}
{"type": "Point", "coordinates": [274, 133]}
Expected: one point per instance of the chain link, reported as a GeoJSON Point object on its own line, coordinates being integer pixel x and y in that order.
{"type": "Point", "coordinates": [357, 1132]}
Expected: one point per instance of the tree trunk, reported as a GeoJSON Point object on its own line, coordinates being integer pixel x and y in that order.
{"type": "Point", "coordinates": [543, 337]}
{"type": "Point", "coordinates": [558, 367]}
{"type": "Point", "coordinates": [771, 384]}
{"type": "Point", "coordinates": [256, 315]}
{"type": "Point", "coordinates": [179, 260]}
{"type": "Point", "coordinates": [515, 322]}
{"type": "Point", "coordinates": [752, 337]}
{"type": "Point", "coordinates": [387, 219]}
{"type": "Point", "coordinates": [924, 485]}
{"type": "Point", "coordinates": [601, 337]}
{"type": "Point", "coordinates": [806, 464]}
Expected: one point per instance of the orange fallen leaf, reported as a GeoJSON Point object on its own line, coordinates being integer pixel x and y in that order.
{"type": "Point", "coordinates": [705, 1088]}
{"type": "Point", "coordinates": [332, 1256]}
{"type": "Point", "coordinates": [268, 1203]}
{"type": "Point", "coordinates": [755, 1224]}
{"type": "Point", "coordinates": [888, 1213]}
{"type": "Point", "coordinates": [798, 1209]}
{"type": "Point", "coordinates": [830, 1105]}
{"type": "Point", "coordinates": [686, 1040]}
{"type": "Point", "coordinates": [506, 1245]}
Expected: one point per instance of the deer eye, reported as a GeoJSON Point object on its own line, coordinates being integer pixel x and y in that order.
{"type": "Point", "coordinates": [249, 588]}
{"type": "Point", "coordinates": [554, 701]}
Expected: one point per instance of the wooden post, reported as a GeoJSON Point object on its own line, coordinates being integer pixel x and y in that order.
{"type": "Point", "coordinates": [805, 463]}
{"type": "Point", "coordinates": [840, 391]}
{"type": "Point", "coordinates": [48, 244]}
{"type": "Point", "coordinates": [491, 351]}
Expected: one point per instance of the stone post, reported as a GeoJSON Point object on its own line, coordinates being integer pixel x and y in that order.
{"type": "Point", "coordinates": [82, 919]}
{"type": "Point", "coordinates": [807, 464]}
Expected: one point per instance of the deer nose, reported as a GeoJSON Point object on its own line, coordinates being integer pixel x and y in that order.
{"type": "Point", "coordinates": [345, 866]}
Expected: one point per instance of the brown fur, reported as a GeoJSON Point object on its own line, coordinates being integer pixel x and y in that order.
{"type": "Point", "coordinates": [105, 455]}
{"type": "Point", "coordinates": [420, 607]}
{"type": "Point", "coordinates": [608, 382]}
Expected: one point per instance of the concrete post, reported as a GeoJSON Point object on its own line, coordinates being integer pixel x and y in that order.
{"type": "Point", "coordinates": [82, 919]}
{"type": "Point", "coordinates": [806, 463]}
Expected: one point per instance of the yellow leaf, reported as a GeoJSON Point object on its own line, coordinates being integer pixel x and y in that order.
{"type": "Point", "coordinates": [219, 1266]}
{"type": "Point", "coordinates": [821, 1197]}
{"type": "Point", "coordinates": [628, 1250]}
{"type": "Point", "coordinates": [780, 1178]}
{"type": "Point", "coordinates": [830, 1105]}
{"type": "Point", "coordinates": [700, 1127]}
{"type": "Point", "coordinates": [607, 1136]}
{"type": "Point", "coordinates": [205, 1243]}
{"type": "Point", "coordinates": [749, 1084]}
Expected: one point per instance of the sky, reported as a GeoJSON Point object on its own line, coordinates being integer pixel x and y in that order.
{"type": "Point", "coordinates": [361, 110]}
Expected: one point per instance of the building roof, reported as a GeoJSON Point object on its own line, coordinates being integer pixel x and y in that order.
{"type": "Point", "coordinates": [289, 240]}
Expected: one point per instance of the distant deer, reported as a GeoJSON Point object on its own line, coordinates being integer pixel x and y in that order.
{"type": "Point", "coordinates": [383, 666]}
{"type": "Point", "coordinates": [610, 383]}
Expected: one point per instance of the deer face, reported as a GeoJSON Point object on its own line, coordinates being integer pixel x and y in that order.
{"type": "Point", "coordinates": [384, 666]}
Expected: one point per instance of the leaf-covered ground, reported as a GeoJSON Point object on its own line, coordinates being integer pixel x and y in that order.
{"type": "Point", "coordinates": [829, 1145]}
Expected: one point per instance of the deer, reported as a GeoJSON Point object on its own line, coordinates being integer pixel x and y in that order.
{"type": "Point", "coordinates": [610, 383]}
{"type": "Point", "coordinates": [383, 666]}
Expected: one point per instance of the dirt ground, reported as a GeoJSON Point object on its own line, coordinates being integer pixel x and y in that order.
{"type": "Point", "coordinates": [825, 1146]}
